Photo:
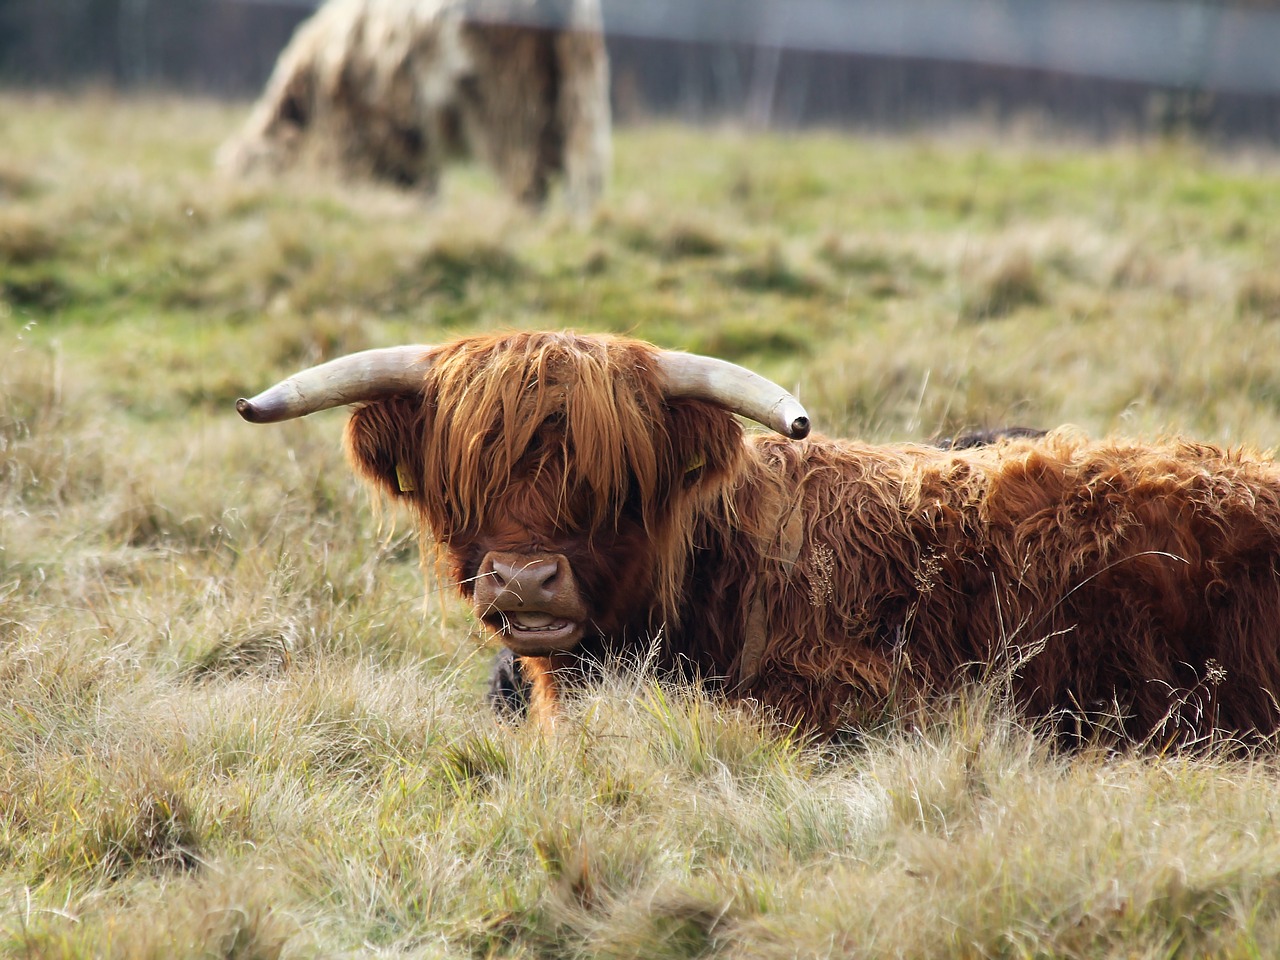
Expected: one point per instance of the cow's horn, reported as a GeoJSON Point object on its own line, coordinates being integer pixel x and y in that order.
{"type": "Point", "coordinates": [368, 375]}
{"type": "Point", "coordinates": [736, 389]}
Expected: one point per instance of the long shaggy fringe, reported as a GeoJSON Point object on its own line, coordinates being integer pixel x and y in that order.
{"type": "Point", "coordinates": [581, 412]}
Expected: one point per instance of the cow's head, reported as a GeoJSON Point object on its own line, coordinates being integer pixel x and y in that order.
{"type": "Point", "coordinates": [559, 473]}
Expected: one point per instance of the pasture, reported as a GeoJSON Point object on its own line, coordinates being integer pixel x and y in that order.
{"type": "Point", "coordinates": [233, 722]}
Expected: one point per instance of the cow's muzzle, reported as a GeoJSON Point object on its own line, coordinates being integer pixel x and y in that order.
{"type": "Point", "coordinates": [531, 601]}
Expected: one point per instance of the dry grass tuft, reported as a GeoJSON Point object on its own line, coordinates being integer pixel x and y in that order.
{"type": "Point", "coordinates": [146, 829]}
{"type": "Point", "coordinates": [1002, 287]}
{"type": "Point", "coordinates": [255, 655]}
{"type": "Point", "coordinates": [773, 271]}
{"type": "Point", "coordinates": [23, 240]}
{"type": "Point", "coordinates": [1259, 296]}
{"type": "Point", "coordinates": [680, 239]}
{"type": "Point", "coordinates": [17, 183]}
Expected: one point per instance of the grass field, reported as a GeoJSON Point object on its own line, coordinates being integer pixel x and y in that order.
{"type": "Point", "coordinates": [234, 724]}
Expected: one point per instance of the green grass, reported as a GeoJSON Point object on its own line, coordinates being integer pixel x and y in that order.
{"type": "Point", "coordinates": [232, 721]}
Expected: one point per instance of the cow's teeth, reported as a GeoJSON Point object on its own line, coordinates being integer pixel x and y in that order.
{"type": "Point", "coordinates": [537, 622]}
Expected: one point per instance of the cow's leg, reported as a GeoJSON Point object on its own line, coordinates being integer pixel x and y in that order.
{"type": "Point", "coordinates": [985, 438]}
{"type": "Point", "coordinates": [583, 145]}
{"type": "Point", "coordinates": [509, 691]}
{"type": "Point", "coordinates": [507, 104]}
{"type": "Point", "coordinates": [545, 691]}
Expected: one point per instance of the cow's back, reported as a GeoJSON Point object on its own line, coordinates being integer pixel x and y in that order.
{"type": "Point", "coordinates": [1107, 578]}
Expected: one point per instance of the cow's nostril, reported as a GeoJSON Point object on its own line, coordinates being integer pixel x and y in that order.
{"type": "Point", "coordinates": [504, 573]}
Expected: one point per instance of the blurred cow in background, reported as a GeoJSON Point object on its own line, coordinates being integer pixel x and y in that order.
{"type": "Point", "coordinates": [390, 89]}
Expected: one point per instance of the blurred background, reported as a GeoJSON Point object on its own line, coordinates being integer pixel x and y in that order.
{"type": "Point", "coordinates": [1098, 68]}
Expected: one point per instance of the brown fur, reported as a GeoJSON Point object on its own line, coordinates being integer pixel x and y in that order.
{"type": "Point", "coordinates": [392, 88]}
{"type": "Point", "coordinates": [1117, 576]}
{"type": "Point", "coordinates": [837, 581]}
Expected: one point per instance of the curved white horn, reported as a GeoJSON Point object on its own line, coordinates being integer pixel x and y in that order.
{"type": "Point", "coordinates": [735, 388]}
{"type": "Point", "coordinates": [368, 375]}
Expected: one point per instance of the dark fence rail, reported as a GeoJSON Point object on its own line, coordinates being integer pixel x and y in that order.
{"type": "Point", "coordinates": [1101, 67]}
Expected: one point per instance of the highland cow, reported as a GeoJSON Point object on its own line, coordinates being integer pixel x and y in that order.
{"type": "Point", "coordinates": [509, 692]}
{"type": "Point", "coordinates": [596, 496]}
{"type": "Point", "coordinates": [390, 89]}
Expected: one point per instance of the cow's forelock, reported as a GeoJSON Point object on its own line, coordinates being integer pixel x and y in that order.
{"type": "Point", "coordinates": [575, 424]}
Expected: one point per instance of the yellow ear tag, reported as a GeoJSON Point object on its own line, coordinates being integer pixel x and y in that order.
{"type": "Point", "coordinates": [404, 479]}
{"type": "Point", "coordinates": [699, 460]}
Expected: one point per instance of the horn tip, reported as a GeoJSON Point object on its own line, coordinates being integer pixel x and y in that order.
{"type": "Point", "coordinates": [249, 411]}
{"type": "Point", "coordinates": [799, 428]}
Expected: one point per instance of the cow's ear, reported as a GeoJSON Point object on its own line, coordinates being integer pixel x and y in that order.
{"type": "Point", "coordinates": [706, 443]}
{"type": "Point", "coordinates": [384, 445]}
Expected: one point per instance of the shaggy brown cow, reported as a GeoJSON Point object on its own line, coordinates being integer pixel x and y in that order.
{"type": "Point", "coordinates": [391, 88]}
{"type": "Point", "coordinates": [591, 494]}
{"type": "Point", "coordinates": [508, 692]}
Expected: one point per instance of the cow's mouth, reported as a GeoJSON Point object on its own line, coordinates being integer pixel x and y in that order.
{"type": "Point", "coordinates": [532, 633]}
